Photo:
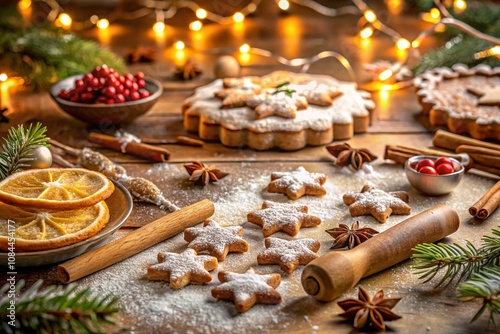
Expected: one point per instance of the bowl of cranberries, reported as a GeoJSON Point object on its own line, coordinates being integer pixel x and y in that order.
{"type": "Point", "coordinates": [434, 175]}
{"type": "Point", "coordinates": [104, 96]}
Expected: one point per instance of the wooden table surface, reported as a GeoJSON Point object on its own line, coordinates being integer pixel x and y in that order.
{"type": "Point", "coordinates": [152, 306]}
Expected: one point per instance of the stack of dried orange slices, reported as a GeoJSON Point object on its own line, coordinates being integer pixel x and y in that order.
{"type": "Point", "coordinates": [53, 207]}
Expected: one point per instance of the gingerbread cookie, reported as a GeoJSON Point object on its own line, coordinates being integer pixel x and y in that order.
{"type": "Point", "coordinates": [465, 100]}
{"type": "Point", "coordinates": [336, 110]}
{"type": "Point", "coordinates": [235, 96]}
{"type": "Point", "coordinates": [216, 240]}
{"type": "Point", "coordinates": [297, 183]}
{"type": "Point", "coordinates": [289, 218]}
{"type": "Point", "coordinates": [279, 104]}
{"type": "Point", "coordinates": [378, 203]}
{"type": "Point", "coordinates": [248, 288]}
{"type": "Point", "coordinates": [182, 269]}
{"type": "Point", "coordinates": [289, 254]}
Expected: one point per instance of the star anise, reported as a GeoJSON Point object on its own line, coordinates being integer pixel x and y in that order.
{"type": "Point", "coordinates": [201, 173]}
{"type": "Point", "coordinates": [346, 155]}
{"type": "Point", "coordinates": [350, 237]}
{"type": "Point", "coordinates": [369, 312]}
{"type": "Point", "coordinates": [142, 54]}
{"type": "Point", "coordinates": [187, 71]}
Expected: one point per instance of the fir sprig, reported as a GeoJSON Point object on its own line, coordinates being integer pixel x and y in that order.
{"type": "Point", "coordinates": [283, 88]}
{"type": "Point", "coordinates": [18, 147]}
{"type": "Point", "coordinates": [56, 309]}
{"type": "Point", "coordinates": [484, 286]}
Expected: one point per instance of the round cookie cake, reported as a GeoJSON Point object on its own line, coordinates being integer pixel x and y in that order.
{"type": "Point", "coordinates": [466, 100]}
{"type": "Point", "coordinates": [280, 110]}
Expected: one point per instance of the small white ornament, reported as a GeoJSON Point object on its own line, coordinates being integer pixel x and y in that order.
{"type": "Point", "coordinates": [42, 158]}
{"type": "Point", "coordinates": [226, 66]}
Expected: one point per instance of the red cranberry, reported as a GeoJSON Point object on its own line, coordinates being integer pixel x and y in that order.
{"type": "Point", "coordinates": [139, 76]}
{"type": "Point", "coordinates": [425, 162]}
{"type": "Point", "coordinates": [444, 169]}
{"type": "Point", "coordinates": [428, 170]}
{"type": "Point", "coordinates": [134, 96]}
{"type": "Point", "coordinates": [443, 160]}
{"type": "Point", "coordinates": [144, 93]}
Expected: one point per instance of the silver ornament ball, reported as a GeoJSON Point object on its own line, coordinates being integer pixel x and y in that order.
{"type": "Point", "coordinates": [226, 66]}
{"type": "Point", "coordinates": [42, 158]}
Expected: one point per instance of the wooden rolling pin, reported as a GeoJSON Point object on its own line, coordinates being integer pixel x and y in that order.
{"type": "Point", "coordinates": [135, 242]}
{"type": "Point", "coordinates": [334, 273]}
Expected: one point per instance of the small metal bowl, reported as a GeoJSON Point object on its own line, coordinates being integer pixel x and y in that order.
{"type": "Point", "coordinates": [433, 185]}
{"type": "Point", "coordinates": [106, 114]}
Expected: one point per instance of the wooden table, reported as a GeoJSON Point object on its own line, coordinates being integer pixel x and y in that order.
{"type": "Point", "coordinates": [153, 306]}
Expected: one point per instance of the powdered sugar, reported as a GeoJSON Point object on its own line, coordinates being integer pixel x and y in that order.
{"type": "Point", "coordinates": [298, 179]}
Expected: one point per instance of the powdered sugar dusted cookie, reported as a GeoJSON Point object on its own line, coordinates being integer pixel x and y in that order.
{"type": "Point", "coordinates": [297, 183]}
{"type": "Point", "coordinates": [464, 99]}
{"type": "Point", "coordinates": [289, 254]}
{"type": "Point", "coordinates": [182, 269]}
{"type": "Point", "coordinates": [286, 217]}
{"type": "Point", "coordinates": [248, 288]}
{"type": "Point", "coordinates": [278, 104]}
{"type": "Point", "coordinates": [378, 203]}
{"type": "Point", "coordinates": [216, 240]}
{"type": "Point", "coordinates": [318, 124]}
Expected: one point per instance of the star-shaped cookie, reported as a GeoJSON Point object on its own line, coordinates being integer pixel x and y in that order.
{"type": "Point", "coordinates": [289, 254]}
{"type": "Point", "coordinates": [286, 217]}
{"type": "Point", "coordinates": [378, 203]}
{"type": "Point", "coordinates": [247, 289]}
{"type": "Point", "coordinates": [216, 240]}
{"type": "Point", "coordinates": [297, 183]}
{"type": "Point", "coordinates": [182, 269]}
{"type": "Point", "coordinates": [488, 96]}
{"type": "Point", "coordinates": [317, 94]}
{"type": "Point", "coordinates": [280, 104]}
{"type": "Point", "coordinates": [236, 96]}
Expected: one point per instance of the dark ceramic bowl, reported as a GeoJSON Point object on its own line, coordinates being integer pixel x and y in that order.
{"type": "Point", "coordinates": [106, 114]}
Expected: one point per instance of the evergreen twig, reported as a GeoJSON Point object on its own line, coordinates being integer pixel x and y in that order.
{"type": "Point", "coordinates": [18, 147]}
{"type": "Point", "coordinates": [56, 309]}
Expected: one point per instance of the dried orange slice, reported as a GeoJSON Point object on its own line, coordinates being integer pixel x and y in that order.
{"type": "Point", "coordinates": [37, 230]}
{"type": "Point", "coordinates": [55, 188]}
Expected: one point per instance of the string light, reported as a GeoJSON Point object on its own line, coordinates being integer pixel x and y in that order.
{"type": "Point", "coordinates": [238, 17]}
{"type": "Point", "coordinates": [179, 45]}
{"type": "Point", "coordinates": [245, 48]}
{"type": "Point", "coordinates": [403, 44]}
{"type": "Point", "coordinates": [102, 24]}
{"type": "Point", "coordinates": [366, 32]}
{"type": "Point", "coordinates": [25, 4]}
{"type": "Point", "coordinates": [370, 16]}
{"type": "Point", "coordinates": [201, 13]}
{"type": "Point", "coordinates": [459, 5]}
{"type": "Point", "coordinates": [159, 27]}
{"type": "Point", "coordinates": [494, 51]}
{"type": "Point", "coordinates": [65, 20]}
{"type": "Point", "coordinates": [3, 77]}
{"type": "Point", "coordinates": [384, 75]}
{"type": "Point", "coordinates": [283, 5]}
{"type": "Point", "coordinates": [195, 25]}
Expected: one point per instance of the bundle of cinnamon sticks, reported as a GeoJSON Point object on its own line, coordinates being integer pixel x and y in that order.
{"type": "Point", "coordinates": [488, 203]}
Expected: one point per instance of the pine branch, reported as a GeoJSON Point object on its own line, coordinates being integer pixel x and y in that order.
{"type": "Point", "coordinates": [484, 286]}
{"type": "Point", "coordinates": [18, 147]}
{"type": "Point", "coordinates": [56, 309]}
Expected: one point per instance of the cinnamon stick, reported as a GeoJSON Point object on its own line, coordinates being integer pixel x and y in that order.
{"type": "Point", "coordinates": [477, 150]}
{"type": "Point", "coordinates": [488, 169]}
{"type": "Point", "coordinates": [490, 206]}
{"type": "Point", "coordinates": [400, 154]}
{"type": "Point", "coordinates": [450, 141]}
{"type": "Point", "coordinates": [135, 242]}
{"type": "Point", "coordinates": [150, 152]}
{"type": "Point", "coordinates": [179, 140]}
{"type": "Point", "coordinates": [480, 204]}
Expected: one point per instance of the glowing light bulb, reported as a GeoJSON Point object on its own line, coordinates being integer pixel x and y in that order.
{"type": "Point", "coordinates": [435, 14]}
{"type": "Point", "coordinates": [159, 27]}
{"type": "Point", "coordinates": [403, 44]}
{"type": "Point", "coordinates": [459, 5]}
{"type": "Point", "coordinates": [65, 20]}
{"type": "Point", "coordinates": [384, 75]}
{"type": "Point", "coordinates": [238, 17]}
{"type": "Point", "coordinates": [3, 77]}
{"type": "Point", "coordinates": [245, 48]}
{"type": "Point", "coordinates": [283, 4]}
{"type": "Point", "coordinates": [25, 4]}
{"type": "Point", "coordinates": [370, 16]}
{"type": "Point", "coordinates": [179, 45]}
{"type": "Point", "coordinates": [102, 24]}
{"type": "Point", "coordinates": [495, 50]}
{"type": "Point", "coordinates": [195, 25]}
{"type": "Point", "coordinates": [201, 13]}
{"type": "Point", "coordinates": [366, 32]}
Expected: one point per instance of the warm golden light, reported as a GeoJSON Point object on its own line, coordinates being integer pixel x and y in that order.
{"type": "Point", "coordinates": [245, 48]}
{"type": "Point", "coordinates": [370, 16]}
{"type": "Point", "coordinates": [283, 4]}
{"type": "Point", "coordinates": [25, 4]}
{"type": "Point", "coordinates": [179, 45]}
{"type": "Point", "coordinates": [459, 5]}
{"type": "Point", "coordinates": [366, 32]}
{"type": "Point", "coordinates": [159, 27]}
{"type": "Point", "coordinates": [385, 75]}
{"type": "Point", "coordinates": [495, 50]}
{"type": "Point", "coordinates": [403, 44]}
{"type": "Point", "coordinates": [415, 44]}
{"type": "Point", "coordinates": [195, 25]}
{"type": "Point", "coordinates": [238, 17]}
{"type": "Point", "coordinates": [435, 14]}
{"type": "Point", "coordinates": [102, 24]}
{"type": "Point", "coordinates": [201, 13]}
{"type": "Point", "coordinates": [65, 20]}
{"type": "Point", "coordinates": [3, 77]}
